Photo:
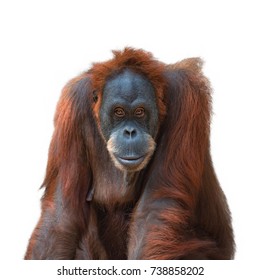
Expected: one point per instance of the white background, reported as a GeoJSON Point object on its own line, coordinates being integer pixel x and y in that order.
{"type": "Point", "coordinates": [45, 43]}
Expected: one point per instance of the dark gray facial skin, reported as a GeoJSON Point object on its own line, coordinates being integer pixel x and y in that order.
{"type": "Point", "coordinates": [129, 120]}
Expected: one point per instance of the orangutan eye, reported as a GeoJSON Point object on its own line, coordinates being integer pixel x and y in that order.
{"type": "Point", "coordinates": [119, 112]}
{"type": "Point", "coordinates": [139, 112]}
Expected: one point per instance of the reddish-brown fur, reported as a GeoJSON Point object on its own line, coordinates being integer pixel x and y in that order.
{"type": "Point", "coordinates": [138, 61]}
{"type": "Point", "coordinates": [173, 209]}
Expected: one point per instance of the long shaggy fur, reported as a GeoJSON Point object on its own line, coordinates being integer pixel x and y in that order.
{"type": "Point", "coordinates": [173, 209]}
